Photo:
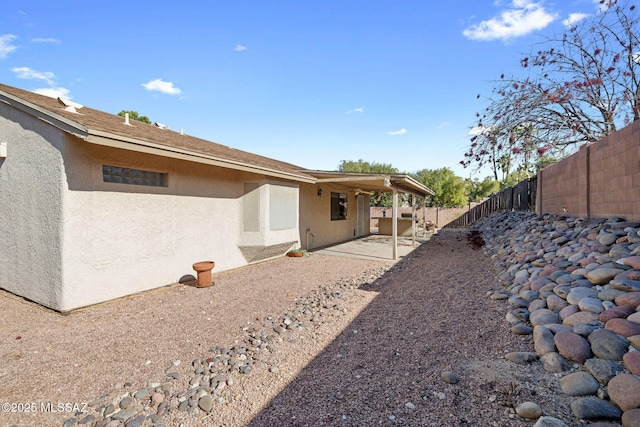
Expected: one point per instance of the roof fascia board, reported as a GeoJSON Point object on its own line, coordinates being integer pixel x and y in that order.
{"type": "Point", "coordinates": [415, 186]}
{"type": "Point", "coordinates": [45, 115]}
{"type": "Point", "coordinates": [354, 178]}
{"type": "Point", "coordinates": [402, 183]}
{"type": "Point", "coordinates": [125, 143]}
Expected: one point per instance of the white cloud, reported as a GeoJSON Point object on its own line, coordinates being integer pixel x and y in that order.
{"type": "Point", "coordinates": [54, 92]}
{"type": "Point", "coordinates": [240, 48]}
{"type": "Point", "coordinates": [160, 85]}
{"type": "Point", "coordinates": [524, 17]}
{"type": "Point", "coordinates": [45, 40]}
{"type": "Point", "coordinates": [6, 47]}
{"type": "Point", "coordinates": [574, 18]}
{"type": "Point", "coordinates": [356, 110]}
{"type": "Point", "coordinates": [480, 130]}
{"type": "Point", "coordinates": [28, 73]}
{"type": "Point", "coordinates": [398, 132]}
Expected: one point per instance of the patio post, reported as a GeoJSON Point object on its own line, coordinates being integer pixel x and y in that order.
{"type": "Point", "coordinates": [394, 223]}
{"type": "Point", "coordinates": [413, 220]}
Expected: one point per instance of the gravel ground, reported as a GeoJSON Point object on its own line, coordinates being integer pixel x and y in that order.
{"type": "Point", "coordinates": [374, 342]}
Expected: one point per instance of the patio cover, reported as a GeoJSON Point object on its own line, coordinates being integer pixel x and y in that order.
{"type": "Point", "coordinates": [387, 183]}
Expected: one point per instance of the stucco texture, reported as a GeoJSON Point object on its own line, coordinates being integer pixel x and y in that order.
{"type": "Point", "coordinates": [31, 208]}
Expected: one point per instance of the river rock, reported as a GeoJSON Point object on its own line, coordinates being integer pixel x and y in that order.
{"type": "Point", "coordinates": [543, 340]}
{"type": "Point", "coordinates": [607, 239]}
{"type": "Point", "coordinates": [623, 327]}
{"type": "Point", "coordinates": [529, 410]}
{"type": "Point", "coordinates": [619, 311]}
{"type": "Point", "coordinates": [521, 357]}
{"type": "Point", "coordinates": [585, 329]}
{"type": "Point", "coordinates": [631, 418]}
{"type": "Point", "coordinates": [608, 345]}
{"type": "Point", "coordinates": [625, 285]}
{"type": "Point", "coordinates": [529, 295]}
{"type": "Point", "coordinates": [576, 294]}
{"type": "Point", "coordinates": [609, 294]}
{"type": "Point", "coordinates": [580, 317]}
{"type": "Point", "coordinates": [572, 346]}
{"type": "Point", "coordinates": [537, 304]}
{"type": "Point", "coordinates": [602, 275]}
{"type": "Point", "coordinates": [517, 302]}
{"type": "Point", "coordinates": [593, 305]}
{"type": "Point", "coordinates": [554, 362]}
{"type": "Point", "coordinates": [628, 299]}
{"type": "Point", "coordinates": [569, 311]}
{"type": "Point", "coordinates": [632, 361]}
{"type": "Point", "coordinates": [547, 421]}
{"type": "Point", "coordinates": [632, 261]}
{"type": "Point", "coordinates": [206, 403]}
{"type": "Point", "coordinates": [521, 329]}
{"type": "Point", "coordinates": [602, 370]}
{"type": "Point", "coordinates": [579, 384]}
{"type": "Point", "coordinates": [136, 422]}
{"type": "Point", "coordinates": [592, 408]}
{"type": "Point", "coordinates": [555, 303]}
{"type": "Point", "coordinates": [450, 377]}
{"type": "Point", "coordinates": [544, 316]}
{"type": "Point", "coordinates": [624, 391]}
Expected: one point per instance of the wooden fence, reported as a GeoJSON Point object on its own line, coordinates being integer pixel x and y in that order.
{"type": "Point", "coordinates": [520, 197]}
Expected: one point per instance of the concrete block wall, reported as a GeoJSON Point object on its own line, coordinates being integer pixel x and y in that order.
{"type": "Point", "coordinates": [438, 216]}
{"type": "Point", "coordinates": [601, 180]}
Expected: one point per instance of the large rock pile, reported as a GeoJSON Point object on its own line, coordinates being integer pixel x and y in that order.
{"type": "Point", "coordinates": [574, 284]}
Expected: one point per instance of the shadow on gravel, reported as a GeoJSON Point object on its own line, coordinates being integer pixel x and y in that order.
{"type": "Point", "coordinates": [385, 368]}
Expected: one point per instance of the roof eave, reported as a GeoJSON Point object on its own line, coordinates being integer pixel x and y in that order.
{"type": "Point", "coordinates": [132, 144]}
{"type": "Point", "coordinates": [45, 115]}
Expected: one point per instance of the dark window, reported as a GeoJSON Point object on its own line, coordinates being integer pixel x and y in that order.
{"type": "Point", "coordinates": [133, 176]}
{"type": "Point", "coordinates": [338, 206]}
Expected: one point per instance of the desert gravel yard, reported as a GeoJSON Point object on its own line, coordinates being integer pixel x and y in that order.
{"type": "Point", "coordinates": [317, 340]}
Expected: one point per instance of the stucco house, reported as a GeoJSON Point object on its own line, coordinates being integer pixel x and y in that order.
{"type": "Point", "coordinates": [94, 207]}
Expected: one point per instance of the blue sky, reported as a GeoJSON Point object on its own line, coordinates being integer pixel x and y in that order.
{"type": "Point", "coordinates": [307, 82]}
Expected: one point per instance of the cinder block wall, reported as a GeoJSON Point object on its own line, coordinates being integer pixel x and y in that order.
{"type": "Point", "coordinates": [441, 217]}
{"type": "Point", "coordinates": [601, 180]}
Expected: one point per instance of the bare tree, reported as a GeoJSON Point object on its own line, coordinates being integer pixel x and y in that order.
{"type": "Point", "coordinates": [581, 87]}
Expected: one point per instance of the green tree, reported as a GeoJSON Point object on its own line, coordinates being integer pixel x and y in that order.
{"type": "Point", "coordinates": [515, 177]}
{"type": "Point", "coordinates": [378, 198]}
{"type": "Point", "coordinates": [366, 167]}
{"type": "Point", "coordinates": [133, 115]}
{"type": "Point", "coordinates": [545, 161]}
{"type": "Point", "coordinates": [450, 189]}
{"type": "Point", "coordinates": [478, 190]}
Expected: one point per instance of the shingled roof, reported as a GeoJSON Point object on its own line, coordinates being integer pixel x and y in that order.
{"type": "Point", "coordinates": [99, 127]}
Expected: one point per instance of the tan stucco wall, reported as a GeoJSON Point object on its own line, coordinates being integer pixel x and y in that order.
{"type": "Point", "coordinates": [315, 216]}
{"type": "Point", "coordinates": [31, 208]}
{"type": "Point", "coordinates": [121, 239]}
{"type": "Point", "coordinates": [68, 239]}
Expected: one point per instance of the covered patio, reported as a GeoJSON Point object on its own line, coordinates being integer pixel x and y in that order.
{"type": "Point", "coordinates": [368, 183]}
{"type": "Point", "coordinates": [375, 247]}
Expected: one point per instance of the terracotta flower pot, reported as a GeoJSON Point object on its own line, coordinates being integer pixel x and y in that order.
{"type": "Point", "coordinates": [203, 269]}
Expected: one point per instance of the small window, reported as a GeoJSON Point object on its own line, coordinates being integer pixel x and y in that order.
{"type": "Point", "coordinates": [133, 176]}
{"type": "Point", "coordinates": [338, 206]}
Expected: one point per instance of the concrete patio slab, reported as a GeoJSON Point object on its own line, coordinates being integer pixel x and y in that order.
{"type": "Point", "coordinates": [375, 246]}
